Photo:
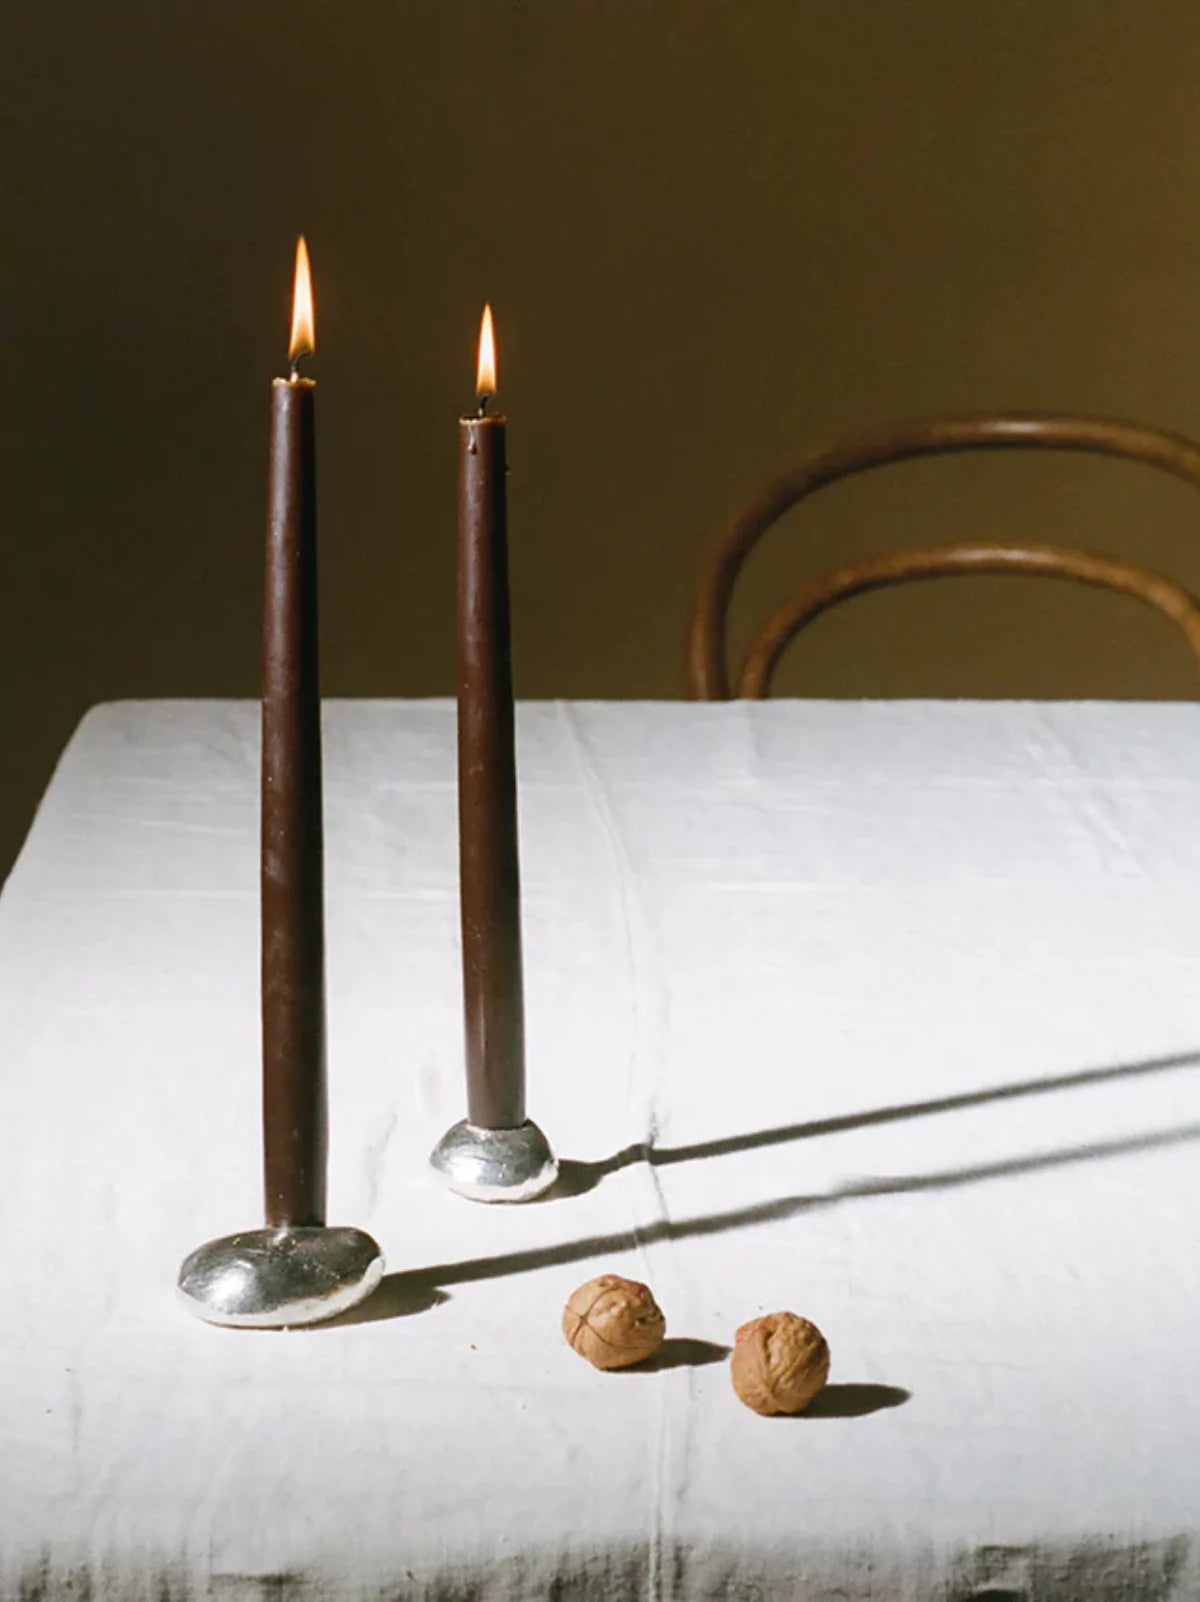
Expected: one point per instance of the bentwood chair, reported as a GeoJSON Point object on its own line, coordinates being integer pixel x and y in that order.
{"type": "Point", "coordinates": [707, 678]}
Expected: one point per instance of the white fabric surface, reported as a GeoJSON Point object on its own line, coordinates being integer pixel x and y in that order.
{"type": "Point", "coordinates": [950, 950]}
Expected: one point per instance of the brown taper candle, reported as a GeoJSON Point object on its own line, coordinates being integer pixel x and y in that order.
{"type": "Point", "coordinates": [293, 921]}
{"type": "Point", "coordinates": [490, 886]}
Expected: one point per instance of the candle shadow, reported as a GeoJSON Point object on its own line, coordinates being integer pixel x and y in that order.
{"type": "Point", "coordinates": [396, 1296]}
{"type": "Point", "coordinates": [578, 1178]}
{"type": "Point", "coordinates": [404, 1293]}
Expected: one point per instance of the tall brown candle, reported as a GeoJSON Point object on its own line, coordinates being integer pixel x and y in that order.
{"type": "Point", "coordinates": [293, 923]}
{"type": "Point", "coordinates": [487, 780]}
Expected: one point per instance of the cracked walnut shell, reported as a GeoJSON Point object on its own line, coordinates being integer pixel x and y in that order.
{"type": "Point", "coordinates": [779, 1363]}
{"type": "Point", "coordinates": [614, 1322]}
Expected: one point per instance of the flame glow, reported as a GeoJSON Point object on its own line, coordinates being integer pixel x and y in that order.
{"type": "Point", "coordinates": [304, 332]}
{"type": "Point", "coordinates": [485, 382]}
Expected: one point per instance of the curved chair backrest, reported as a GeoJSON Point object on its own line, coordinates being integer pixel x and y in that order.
{"type": "Point", "coordinates": [950, 561]}
{"type": "Point", "coordinates": [707, 676]}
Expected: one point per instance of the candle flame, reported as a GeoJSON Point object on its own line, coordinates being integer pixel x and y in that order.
{"type": "Point", "coordinates": [304, 333]}
{"type": "Point", "coordinates": [485, 382]}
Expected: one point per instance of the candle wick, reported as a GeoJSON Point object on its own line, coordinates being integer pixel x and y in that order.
{"type": "Point", "coordinates": [483, 400]}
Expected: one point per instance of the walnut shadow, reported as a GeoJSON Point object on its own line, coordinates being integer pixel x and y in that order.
{"type": "Point", "coordinates": [679, 1351]}
{"type": "Point", "coordinates": [853, 1401]}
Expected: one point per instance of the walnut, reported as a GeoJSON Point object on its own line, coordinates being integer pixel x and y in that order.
{"type": "Point", "coordinates": [779, 1363]}
{"type": "Point", "coordinates": [613, 1322]}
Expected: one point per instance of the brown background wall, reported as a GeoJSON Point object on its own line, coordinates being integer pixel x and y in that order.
{"type": "Point", "coordinates": [714, 234]}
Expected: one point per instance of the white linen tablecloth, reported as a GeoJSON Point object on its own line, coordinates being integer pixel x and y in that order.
{"type": "Point", "coordinates": [888, 1014]}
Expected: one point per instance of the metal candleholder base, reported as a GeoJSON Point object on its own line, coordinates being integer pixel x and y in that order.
{"type": "Point", "coordinates": [495, 1165]}
{"type": "Point", "coordinates": [280, 1278]}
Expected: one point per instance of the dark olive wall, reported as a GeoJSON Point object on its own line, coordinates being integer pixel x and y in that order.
{"type": "Point", "coordinates": [714, 234]}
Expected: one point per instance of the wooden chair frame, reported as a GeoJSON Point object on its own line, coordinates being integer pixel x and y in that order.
{"type": "Point", "coordinates": [707, 677]}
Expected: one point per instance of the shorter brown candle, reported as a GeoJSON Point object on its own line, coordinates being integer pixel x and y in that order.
{"type": "Point", "coordinates": [490, 886]}
{"type": "Point", "coordinates": [293, 921]}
